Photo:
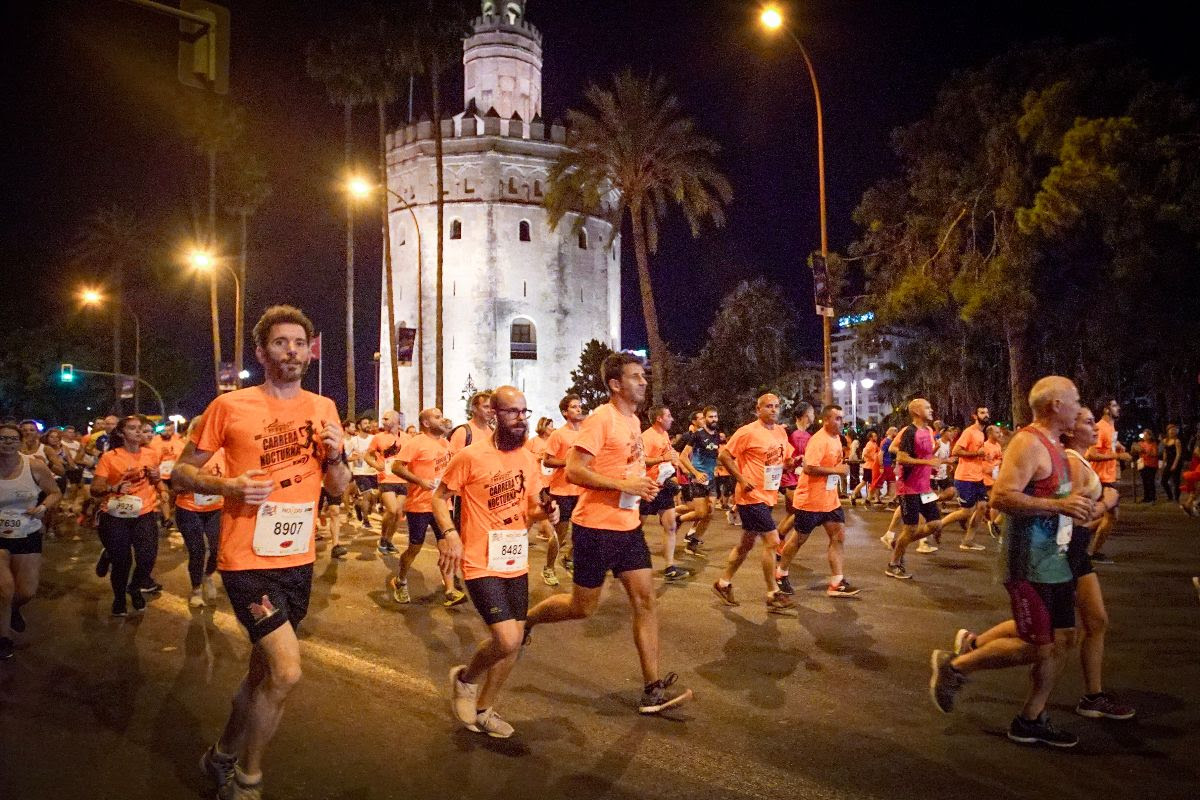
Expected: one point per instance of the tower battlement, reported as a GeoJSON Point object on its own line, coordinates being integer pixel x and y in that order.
{"type": "Point", "coordinates": [467, 126]}
{"type": "Point", "coordinates": [491, 24]}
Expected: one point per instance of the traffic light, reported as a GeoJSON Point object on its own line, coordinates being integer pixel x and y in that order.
{"type": "Point", "coordinates": [66, 373]}
{"type": "Point", "coordinates": [204, 49]}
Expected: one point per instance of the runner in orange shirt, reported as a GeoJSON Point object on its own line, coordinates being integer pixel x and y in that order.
{"type": "Point", "coordinates": [422, 461]}
{"type": "Point", "coordinates": [537, 446]}
{"type": "Point", "coordinates": [817, 501]}
{"type": "Point", "coordinates": [564, 493]}
{"type": "Point", "coordinates": [169, 446]}
{"type": "Point", "coordinates": [199, 517]}
{"type": "Point", "coordinates": [500, 483]}
{"type": "Point", "coordinates": [662, 462]}
{"type": "Point", "coordinates": [381, 453]}
{"type": "Point", "coordinates": [282, 446]}
{"type": "Point", "coordinates": [126, 483]}
{"type": "Point", "coordinates": [1106, 456]}
{"type": "Point", "coordinates": [756, 456]}
{"type": "Point", "coordinates": [607, 460]}
{"type": "Point", "coordinates": [479, 426]}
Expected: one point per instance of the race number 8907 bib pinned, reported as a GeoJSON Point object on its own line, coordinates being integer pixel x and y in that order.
{"type": "Point", "coordinates": [283, 529]}
{"type": "Point", "coordinates": [772, 476]}
{"type": "Point", "coordinates": [125, 506]}
{"type": "Point", "coordinates": [508, 551]}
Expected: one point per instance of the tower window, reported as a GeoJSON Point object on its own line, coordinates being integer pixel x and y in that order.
{"type": "Point", "coordinates": [523, 338]}
{"type": "Point", "coordinates": [523, 230]}
{"type": "Point", "coordinates": [456, 229]}
{"type": "Point", "coordinates": [583, 243]}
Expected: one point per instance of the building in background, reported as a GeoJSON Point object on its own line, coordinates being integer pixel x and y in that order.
{"type": "Point", "coordinates": [863, 356]}
{"type": "Point", "coordinates": [520, 301]}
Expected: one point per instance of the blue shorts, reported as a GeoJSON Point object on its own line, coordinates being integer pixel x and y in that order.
{"type": "Point", "coordinates": [756, 518]}
{"type": "Point", "coordinates": [970, 493]}
{"type": "Point", "coordinates": [419, 523]}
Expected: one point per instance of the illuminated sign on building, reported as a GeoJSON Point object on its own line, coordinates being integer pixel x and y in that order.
{"type": "Point", "coordinates": [855, 319]}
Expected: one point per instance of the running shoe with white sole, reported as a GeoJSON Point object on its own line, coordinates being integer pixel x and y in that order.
{"type": "Point", "coordinates": [196, 600]}
{"type": "Point", "coordinates": [925, 547]}
{"type": "Point", "coordinates": [785, 584]}
{"type": "Point", "coordinates": [1040, 730]}
{"type": "Point", "coordinates": [843, 589]}
{"type": "Point", "coordinates": [454, 598]}
{"type": "Point", "coordinates": [399, 590]}
{"type": "Point", "coordinates": [549, 577]}
{"type": "Point", "coordinates": [946, 682]}
{"type": "Point", "coordinates": [964, 641]}
{"type": "Point", "coordinates": [489, 722]}
{"type": "Point", "coordinates": [218, 766]}
{"type": "Point", "coordinates": [725, 593]}
{"type": "Point", "coordinates": [237, 789]}
{"type": "Point", "coordinates": [898, 571]}
{"type": "Point", "coordinates": [658, 696]}
{"type": "Point", "coordinates": [888, 539]}
{"type": "Point", "coordinates": [693, 547]}
{"type": "Point", "coordinates": [1103, 705]}
{"type": "Point", "coordinates": [675, 573]}
{"type": "Point", "coordinates": [463, 697]}
{"type": "Point", "coordinates": [210, 589]}
{"type": "Point", "coordinates": [975, 547]}
{"type": "Point", "coordinates": [779, 603]}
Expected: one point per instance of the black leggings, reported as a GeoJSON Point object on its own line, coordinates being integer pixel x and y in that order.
{"type": "Point", "coordinates": [1149, 494]}
{"type": "Point", "coordinates": [199, 528]}
{"type": "Point", "coordinates": [1170, 483]}
{"type": "Point", "coordinates": [128, 541]}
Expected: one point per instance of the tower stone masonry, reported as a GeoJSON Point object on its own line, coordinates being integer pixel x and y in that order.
{"type": "Point", "coordinates": [519, 300]}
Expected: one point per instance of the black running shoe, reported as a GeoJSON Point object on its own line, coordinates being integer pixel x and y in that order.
{"type": "Point", "coordinates": [946, 682]}
{"type": "Point", "coordinates": [675, 573]}
{"type": "Point", "coordinates": [785, 584]}
{"type": "Point", "coordinates": [154, 587]}
{"type": "Point", "coordinates": [135, 597]}
{"type": "Point", "coordinates": [1101, 558]}
{"type": "Point", "coordinates": [118, 607]}
{"type": "Point", "coordinates": [102, 564]}
{"type": "Point", "coordinates": [340, 551]}
{"type": "Point", "coordinates": [658, 696]}
{"type": "Point", "coordinates": [1040, 730]}
{"type": "Point", "coordinates": [16, 621]}
{"type": "Point", "coordinates": [6, 648]}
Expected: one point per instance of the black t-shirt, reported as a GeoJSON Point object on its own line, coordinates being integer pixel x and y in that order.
{"type": "Point", "coordinates": [705, 446]}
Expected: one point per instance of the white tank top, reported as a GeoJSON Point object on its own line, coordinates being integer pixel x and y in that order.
{"type": "Point", "coordinates": [17, 496]}
{"type": "Point", "coordinates": [1091, 487]}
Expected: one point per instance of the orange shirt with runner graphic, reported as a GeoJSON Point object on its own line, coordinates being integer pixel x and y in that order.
{"type": "Point", "coordinates": [970, 469]}
{"type": "Point", "coordinates": [1106, 437]}
{"type": "Point", "coordinates": [121, 466]}
{"type": "Point", "coordinates": [992, 453]}
{"type": "Point", "coordinates": [656, 444]}
{"type": "Point", "coordinates": [280, 436]}
{"type": "Point", "coordinates": [205, 502]}
{"type": "Point", "coordinates": [615, 442]}
{"type": "Point", "coordinates": [387, 446]}
{"type": "Point", "coordinates": [823, 451]}
{"type": "Point", "coordinates": [558, 446]}
{"type": "Point", "coordinates": [759, 450]}
{"type": "Point", "coordinates": [495, 487]}
{"type": "Point", "coordinates": [426, 457]}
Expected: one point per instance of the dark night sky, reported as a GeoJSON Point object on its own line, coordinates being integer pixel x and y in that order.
{"type": "Point", "coordinates": [90, 123]}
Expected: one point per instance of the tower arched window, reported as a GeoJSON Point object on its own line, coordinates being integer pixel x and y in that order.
{"type": "Point", "coordinates": [456, 229]}
{"type": "Point", "coordinates": [523, 231]}
{"type": "Point", "coordinates": [523, 340]}
{"type": "Point", "coordinates": [583, 239]}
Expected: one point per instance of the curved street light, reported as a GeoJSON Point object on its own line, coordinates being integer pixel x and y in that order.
{"type": "Point", "coordinates": [204, 261]}
{"type": "Point", "coordinates": [91, 297]}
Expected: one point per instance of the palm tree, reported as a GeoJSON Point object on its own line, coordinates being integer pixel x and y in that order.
{"type": "Point", "coordinates": [635, 151]}
{"type": "Point", "coordinates": [217, 127]}
{"type": "Point", "coordinates": [247, 190]}
{"type": "Point", "coordinates": [110, 242]}
{"type": "Point", "coordinates": [341, 64]}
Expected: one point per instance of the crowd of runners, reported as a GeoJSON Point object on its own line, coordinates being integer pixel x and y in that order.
{"type": "Point", "coordinates": [265, 472]}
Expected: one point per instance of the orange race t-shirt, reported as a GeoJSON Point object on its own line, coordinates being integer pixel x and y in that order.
{"type": "Point", "coordinates": [205, 502]}
{"type": "Point", "coordinates": [992, 453]}
{"type": "Point", "coordinates": [760, 452]}
{"type": "Point", "coordinates": [123, 467]}
{"type": "Point", "coordinates": [1106, 437]}
{"type": "Point", "coordinates": [655, 444]}
{"type": "Point", "coordinates": [823, 451]}
{"type": "Point", "coordinates": [282, 437]}
{"type": "Point", "coordinates": [387, 446]}
{"type": "Point", "coordinates": [970, 469]}
{"type": "Point", "coordinates": [458, 437]}
{"type": "Point", "coordinates": [615, 442]}
{"type": "Point", "coordinates": [870, 456]}
{"type": "Point", "coordinates": [560, 443]}
{"type": "Point", "coordinates": [426, 457]}
{"type": "Point", "coordinates": [169, 451]}
{"type": "Point", "coordinates": [495, 487]}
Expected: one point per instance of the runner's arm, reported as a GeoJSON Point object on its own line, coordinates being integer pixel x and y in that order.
{"type": "Point", "coordinates": [400, 469]}
{"type": "Point", "coordinates": [726, 460]}
{"type": "Point", "coordinates": [686, 461]}
{"type": "Point", "coordinates": [450, 545]}
{"type": "Point", "coordinates": [45, 481]}
{"type": "Point", "coordinates": [1016, 472]}
{"type": "Point", "coordinates": [373, 458]}
{"type": "Point", "coordinates": [580, 473]}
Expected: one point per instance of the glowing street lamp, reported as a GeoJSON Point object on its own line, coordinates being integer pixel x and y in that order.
{"type": "Point", "coordinates": [91, 297]}
{"type": "Point", "coordinates": [771, 18]}
{"type": "Point", "coordinates": [204, 261]}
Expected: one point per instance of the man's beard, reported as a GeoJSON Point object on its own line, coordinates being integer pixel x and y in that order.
{"type": "Point", "coordinates": [277, 371]}
{"type": "Point", "coordinates": [511, 438]}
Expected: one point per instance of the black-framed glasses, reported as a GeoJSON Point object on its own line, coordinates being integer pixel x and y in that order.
{"type": "Point", "coordinates": [10, 438]}
{"type": "Point", "coordinates": [521, 413]}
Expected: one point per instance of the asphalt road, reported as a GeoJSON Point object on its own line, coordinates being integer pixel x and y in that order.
{"type": "Point", "coordinates": [830, 703]}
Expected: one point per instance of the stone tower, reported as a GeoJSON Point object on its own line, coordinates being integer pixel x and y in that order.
{"type": "Point", "coordinates": [519, 300]}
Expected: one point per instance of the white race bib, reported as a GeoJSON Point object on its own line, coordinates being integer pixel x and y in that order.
{"type": "Point", "coordinates": [387, 465]}
{"type": "Point", "coordinates": [508, 551]}
{"type": "Point", "coordinates": [1063, 537]}
{"type": "Point", "coordinates": [665, 473]}
{"type": "Point", "coordinates": [929, 497]}
{"type": "Point", "coordinates": [165, 467]}
{"type": "Point", "coordinates": [547, 470]}
{"type": "Point", "coordinates": [995, 473]}
{"type": "Point", "coordinates": [14, 523]}
{"type": "Point", "coordinates": [831, 482]}
{"type": "Point", "coordinates": [125, 506]}
{"type": "Point", "coordinates": [630, 501]}
{"type": "Point", "coordinates": [771, 477]}
{"type": "Point", "coordinates": [283, 529]}
{"type": "Point", "coordinates": [206, 499]}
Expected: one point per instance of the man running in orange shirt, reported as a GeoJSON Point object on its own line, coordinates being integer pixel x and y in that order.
{"type": "Point", "coordinates": [422, 461]}
{"type": "Point", "coordinates": [381, 454]}
{"type": "Point", "coordinates": [500, 482]}
{"type": "Point", "coordinates": [1105, 457]}
{"type": "Point", "coordinates": [564, 493]}
{"type": "Point", "coordinates": [479, 426]}
{"type": "Point", "coordinates": [817, 502]}
{"type": "Point", "coordinates": [607, 460]}
{"type": "Point", "coordinates": [169, 446]}
{"type": "Point", "coordinates": [756, 456]}
{"type": "Point", "coordinates": [662, 462]}
{"type": "Point", "coordinates": [282, 446]}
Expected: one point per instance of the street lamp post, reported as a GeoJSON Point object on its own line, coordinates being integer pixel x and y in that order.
{"type": "Point", "coordinates": [94, 298]}
{"type": "Point", "coordinates": [205, 262]}
{"type": "Point", "coordinates": [772, 19]}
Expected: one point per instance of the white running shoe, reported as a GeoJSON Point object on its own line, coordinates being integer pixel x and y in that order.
{"type": "Point", "coordinates": [463, 697]}
{"type": "Point", "coordinates": [924, 547]}
{"type": "Point", "coordinates": [196, 600]}
{"type": "Point", "coordinates": [888, 539]}
{"type": "Point", "coordinates": [210, 589]}
{"type": "Point", "coordinates": [489, 722]}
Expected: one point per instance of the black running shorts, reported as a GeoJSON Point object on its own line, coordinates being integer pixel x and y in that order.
{"type": "Point", "coordinates": [663, 501]}
{"type": "Point", "coordinates": [287, 590]}
{"type": "Point", "coordinates": [807, 521]}
{"type": "Point", "coordinates": [566, 505]}
{"type": "Point", "coordinates": [366, 483]}
{"type": "Point", "coordinates": [419, 523]}
{"type": "Point", "coordinates": [912, 509]}
{"type": "Point", "coordinates": [597, 552]}
{"type": "Point", "coordinates": [25, 546]}
{"type": "Point", "coordinates": [756, 518]}
{"type": "Point", "coordinates": [500, 599]}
